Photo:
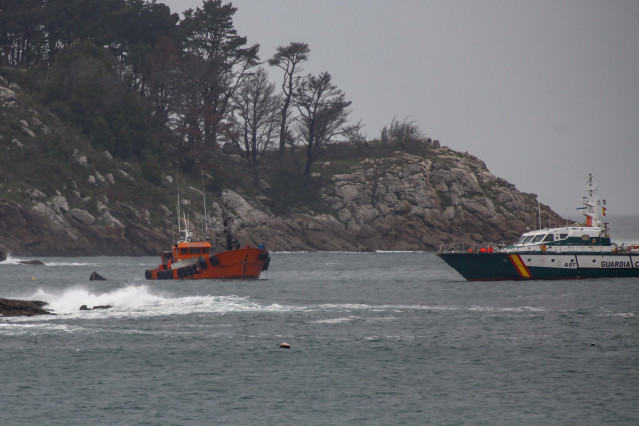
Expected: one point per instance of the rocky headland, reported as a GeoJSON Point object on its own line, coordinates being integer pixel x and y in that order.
{"type": "Point", "coordinates": [59, 196]}
{"type": "Point", "coordinates": [407, 203]}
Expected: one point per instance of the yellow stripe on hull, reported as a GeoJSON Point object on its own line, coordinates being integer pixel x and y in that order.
{"type": "Point", "coordinates": [519, 265]}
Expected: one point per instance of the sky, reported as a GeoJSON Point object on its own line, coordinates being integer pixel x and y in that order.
{"type": "Point", "coordinates": [543, 91]}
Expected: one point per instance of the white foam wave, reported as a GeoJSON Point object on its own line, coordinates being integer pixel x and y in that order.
{"type": "Point", "coordinates": [140, 301]}
{"type": "Point", "coordinates": [145, 301]}
{"type": "Point", "coordinates": [19, 326]}
{"type": "Point", "coordinates": [399, 308]}
{"type": "Point", "coordinates": [10, 260]}
{"type": "Point", "coordinates": [335, 320]}
{"type": "Point", "coordinates": [71, 299]}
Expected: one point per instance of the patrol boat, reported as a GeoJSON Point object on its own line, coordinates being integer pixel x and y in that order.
{"type": "Point", "coordinates": [570, 252]}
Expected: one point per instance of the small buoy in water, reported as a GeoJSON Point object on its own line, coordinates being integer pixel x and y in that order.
{"type": "Point", "coordinates": [32, 278]}
{"type": "Point", "coordinates": [592, 344]}
{"type": "Point", "coordinates": [285, 345]}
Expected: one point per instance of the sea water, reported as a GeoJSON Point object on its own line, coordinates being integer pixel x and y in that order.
{"type": "Point", "coordinates": [375, 338]}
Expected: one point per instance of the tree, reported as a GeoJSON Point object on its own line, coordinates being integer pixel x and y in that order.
{"type": "Point", "coordinates": [21, 32]}
{"type": "Point", "coordinates": [83, 87]}
{"type": "Point", "coordinates": [160, 79]}
{"type": "Point", "coordinates": [288, 59]}
{"type": "Point", "coordinates": [209, 34]}
{"type": "Point", "coordinates": [187, 111]}
{"type": "Point", "coordinates": [401, 133]}
{"type": "Point", "coordinates": [322, 116]}
{"type": "Point", "coordinates": [255, 115]}
{"type": "Point", "coordinates": [132, 46]}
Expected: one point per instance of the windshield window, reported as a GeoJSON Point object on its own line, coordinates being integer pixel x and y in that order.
{"type": "Point", "coordinates": [549, 237]}
{"type": "Point", "coordinates": [537, 239]}
{"type": "Point", "coordinates": [528, 238]}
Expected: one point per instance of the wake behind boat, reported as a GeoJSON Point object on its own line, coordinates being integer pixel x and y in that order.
{"type": "Point", "coordinates": [570, 252]}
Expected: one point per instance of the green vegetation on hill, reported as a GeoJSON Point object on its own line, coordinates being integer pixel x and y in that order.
{"type": "Point", "coordinates": [166, 95]}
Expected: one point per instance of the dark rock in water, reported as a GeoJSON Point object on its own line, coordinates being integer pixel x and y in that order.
{"type": "Point", "coordinates": [32, 262]}
{"type": "Point", "coordinates": [102, 307]}
{"type": "Point", "coordinates": [96, 277]}
{"type": "Point", "coordinates": [14, 308]}
{"type": "Point", "coordinates": [3, 255]}
{"type": "Point", "coordinates": [86, 308]}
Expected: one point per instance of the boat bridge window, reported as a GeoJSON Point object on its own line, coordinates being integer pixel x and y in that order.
{"type": "Point", "coordinates": [199, 250]}
{"type": "Point", "coordinates": [549, 238]}
{"type": "Point", "coordinates": [563, 236]}
{"type": "Point", "coordinates": [528, 238]}
{"type": "Point", "coordinates": [537, 239]}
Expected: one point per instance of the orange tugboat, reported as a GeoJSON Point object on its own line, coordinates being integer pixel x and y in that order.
{"type": "Point", "coordinates": [189, 259]}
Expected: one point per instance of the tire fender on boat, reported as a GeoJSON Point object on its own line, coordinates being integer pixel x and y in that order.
{"type": "Point", "coordinates": [147, 274]}
{"type": "Point", "coordinates": [266, 263]}
{"type": "Point", "coordinates": [202, 263]}
{"type": "Point", "coordinates": [214, 261]}
{"type": "Point", "coordinates": [263, 255]}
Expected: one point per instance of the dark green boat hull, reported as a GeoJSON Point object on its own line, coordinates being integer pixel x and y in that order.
{"type": "Point", "coordinates": [541, 266]}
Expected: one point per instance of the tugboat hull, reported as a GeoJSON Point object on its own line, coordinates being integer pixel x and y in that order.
{"type": "Point", "coordinates": [246, 263]}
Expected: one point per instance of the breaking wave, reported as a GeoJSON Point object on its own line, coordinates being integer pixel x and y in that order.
{"type": "Point", "coordinates": [140, 301]}
{"type": "Point", "coordinates": [10, 260]}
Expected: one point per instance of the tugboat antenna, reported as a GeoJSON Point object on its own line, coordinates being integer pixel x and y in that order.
{"type": "Point", "coordinates": [177, 181]}
{"type": "Point", "coordinates": [206, 224]}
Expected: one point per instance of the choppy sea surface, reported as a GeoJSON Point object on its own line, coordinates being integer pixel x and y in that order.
{"type": "Point", "coordinates": [375, 338]}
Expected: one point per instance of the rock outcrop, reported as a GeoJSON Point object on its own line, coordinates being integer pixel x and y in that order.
{"type": "Point", "coordinates": [410, 202]}
{"type": "Point", "coordinates": [403, 202]}
{"type": "Point", "coordinates": [14, 308]}
{"type": "Point", "coordinates": [40, 230]}
{"type": "Point", "coordinates": [400, 202]}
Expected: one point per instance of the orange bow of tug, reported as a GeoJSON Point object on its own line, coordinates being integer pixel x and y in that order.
{"type": "Point", "coordinates": [195, 260]}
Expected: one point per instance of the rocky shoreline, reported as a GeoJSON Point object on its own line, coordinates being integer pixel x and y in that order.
{"type": "Point", "coordinates": [14, 308]}
{"type": "Point", "coordinates": [404, 202]}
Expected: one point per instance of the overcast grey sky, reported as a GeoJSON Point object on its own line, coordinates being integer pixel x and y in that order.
{"type": "Point", "coordinates": [543, 91]}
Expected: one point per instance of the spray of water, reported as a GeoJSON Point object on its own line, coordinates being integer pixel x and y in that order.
{"type": "Point", "coordinates": [70, 300]}
{"type": "Point", "coordinates": [140, 301]}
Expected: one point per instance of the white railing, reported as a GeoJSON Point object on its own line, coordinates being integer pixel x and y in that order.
{"type": "Point", "coordinates": [457, 247]}
{"type": "Point", "coordinates": [451, 248]}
